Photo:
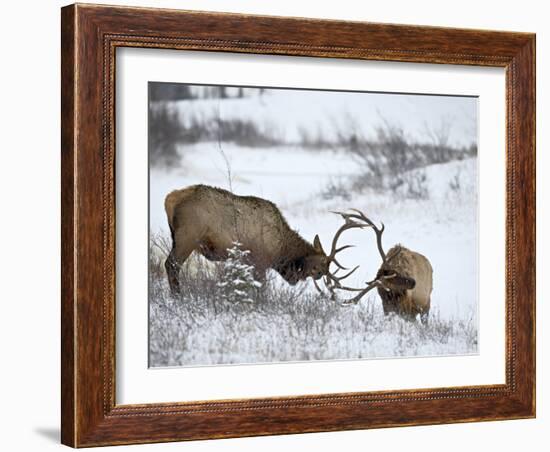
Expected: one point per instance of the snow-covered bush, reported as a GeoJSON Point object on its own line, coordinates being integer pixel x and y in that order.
{"type": "Point", "coordinates": [336, 189]}
{"type": "Point", "coordinates": [237, 282]}
{"type": "Point", "coordinates": [411, 185]}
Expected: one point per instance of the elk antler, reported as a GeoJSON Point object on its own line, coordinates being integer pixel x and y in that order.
{"type": "Point", "coordinates": [333, 282]}
{"type": "Point", "coordinates": [358, 215]}
{"type": "Point", "coordinates": [348, 224]}
{"type": "Point", "coordinates": [378, 282]}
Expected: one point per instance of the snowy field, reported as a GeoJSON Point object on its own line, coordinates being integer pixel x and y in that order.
{"type": "Point", "coordinates": [301, 325]}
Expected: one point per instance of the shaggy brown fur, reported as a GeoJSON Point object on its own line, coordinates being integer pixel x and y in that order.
{"type": "Point", "coordinates": [410, 290]}
{"type": "Point", "coordinates": [209, 220]}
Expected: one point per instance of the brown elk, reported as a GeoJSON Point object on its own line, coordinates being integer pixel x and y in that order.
{"type": "Point", "coordinates": [403, 281]}
{"type": "Point", "coordinates": [210, 220]}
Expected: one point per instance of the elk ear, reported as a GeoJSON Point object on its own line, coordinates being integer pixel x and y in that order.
{"type": "Point", "coordinates": [317, 244]}
{"type": "Point", "coordinates": [410, 283]}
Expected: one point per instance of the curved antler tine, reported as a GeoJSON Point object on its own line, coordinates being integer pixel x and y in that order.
{"type": "Point", "coordinates": [338, 264]}
{"type": "Point", "coordinates": [333, 256]}
{"type": "Point", "coordinates": [317, 287]}
{"type": "Point", "coordinates": [377, 231]}
{"type": "Point", "coordinates": [349, 224]}
{"type": "Point", "coordinates": [349, 289]}
{"type": "Point", "coordinates": [348, 274]}
{"type": "Point", "coordinates": [344, 215]}
{"type": "Point", "coordinates": [334, 283]}
{"type": "Point", "coordinates": [360, 295]}
{"type": "Point", "coordinates": [342, 248]}
{"type": "Point", "coordinates": [346, 303]}
{"type": "Point", "coordinates": [349, 217]}
{"type": "Point", "coordinates": [361, 216]}
{"type": "Point", "coordinates": [329, 285]}
{"type": "Point", "coordinates": [338, 212]}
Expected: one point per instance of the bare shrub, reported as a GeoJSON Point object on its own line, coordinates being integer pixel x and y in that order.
{"type": "Point", "coordinates": [411, 185]}
{"type": "Point", "coordinates": [386, 158]}
{"type": "Point", "coordinates": [244, 133]}
{"type": "Point", "coordinates": [314, 140]}
{"type": "Point", "coordinates": [455, 184]}
{"type": "Point", "coordinates": [336, 189]}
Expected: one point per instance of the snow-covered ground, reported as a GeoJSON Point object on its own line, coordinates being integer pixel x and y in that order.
{"type": "Point", "coordinates": [442, 226]}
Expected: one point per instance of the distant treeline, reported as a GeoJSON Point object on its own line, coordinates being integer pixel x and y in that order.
{"type": "Point", "coordinates": [160, 91]}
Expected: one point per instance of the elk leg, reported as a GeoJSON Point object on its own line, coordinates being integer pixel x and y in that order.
{"type": "Point", "coordinates": [172, 267]}
{"type": "Point", "coordinates": [181, 249]}
{"type": "Point", "coordinates": [260, 275]}
{"type": "Point", "coordinates": [424, 317]}
{"type": "Point", "coordinates": [425, 314]}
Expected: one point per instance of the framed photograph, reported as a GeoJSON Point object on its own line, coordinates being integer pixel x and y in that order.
{"type": "Point", "coordinates": [282, 225]}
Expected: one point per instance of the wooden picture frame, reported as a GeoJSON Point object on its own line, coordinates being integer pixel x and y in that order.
{"type": "Point", "coordinates": [90, 36]}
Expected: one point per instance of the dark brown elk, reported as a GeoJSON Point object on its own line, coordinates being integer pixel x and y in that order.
{"type": "Point", "coordinates": [209, 220]}
{"type": "Point", "coordinates": [403, 281]}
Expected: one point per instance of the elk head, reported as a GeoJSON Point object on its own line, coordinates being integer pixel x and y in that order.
{"type": "Point", "coordinates": [317, 262]}
{"type": "Point", "coordinates": [316, 265]}
{"type": "Point", "coordinates": [312, 261]}
{"type": "Point", "coordinates": [388, 278]}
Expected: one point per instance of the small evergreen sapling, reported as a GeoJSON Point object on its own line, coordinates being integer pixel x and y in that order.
{"type": "Point", "coordinates": [237, 282]}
